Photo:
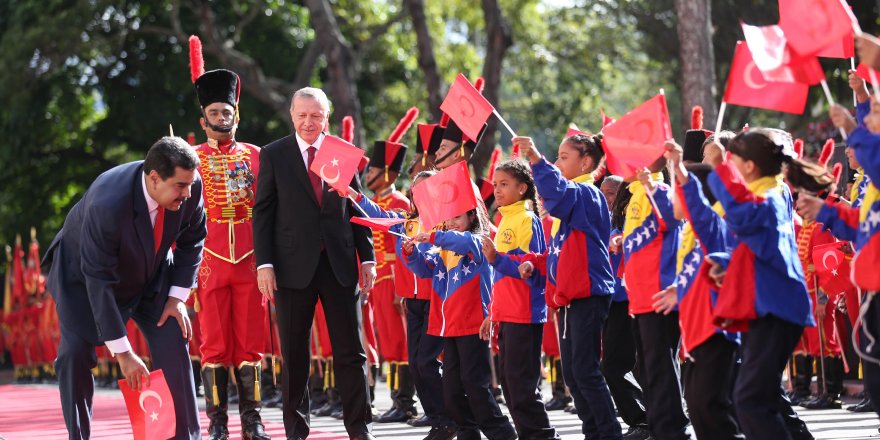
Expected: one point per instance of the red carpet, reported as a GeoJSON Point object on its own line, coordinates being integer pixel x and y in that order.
{"type": "Point", "coordinates": [31, 412]}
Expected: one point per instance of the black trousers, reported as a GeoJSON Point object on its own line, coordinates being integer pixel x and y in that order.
{"type": "Point", "coordinates": [870, 329]}
{"type": "Point", "coordinates": [520, 365]}
{"type": "Point", "coordinates": [169, 351]}
{"type": "Point", "coordinates": [708, 379]}
{"type": "Point", "coordinates": [467, 392]}
{"type": "Point", "coordinates": [295, 309]}
{"type": "Point", "coordinates": [423, 350]}
{"type": "Point", "coordinates": [580, 326]}
{"type": "Point", "coordinates": [761, 406]}
{"type": "Point", "coordinates": [657, 345]}
{"type": "Point", "coordinates": [618, 363]}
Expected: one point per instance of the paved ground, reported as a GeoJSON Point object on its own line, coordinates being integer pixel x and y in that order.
{"type": "Point", "coordinates": [830, 424]}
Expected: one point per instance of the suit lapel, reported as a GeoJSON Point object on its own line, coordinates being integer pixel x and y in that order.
{"type": "Point", "coordinates": [293, 156]}
{"type": "Point", "coordinates": [142, 224]}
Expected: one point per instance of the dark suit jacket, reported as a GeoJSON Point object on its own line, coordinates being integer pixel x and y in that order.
{"type": "Point", "coordinates": [102, 261]}
{"type": "Point", "coordinates": [289, 225]}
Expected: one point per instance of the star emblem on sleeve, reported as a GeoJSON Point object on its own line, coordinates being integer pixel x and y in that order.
{"type": "Point", "coordinates": [689, 270]}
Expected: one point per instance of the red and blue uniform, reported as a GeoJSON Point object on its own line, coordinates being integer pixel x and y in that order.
{"type": "Point", "coordinates": [461, 278]}
{"type": "Point", "coordinates": [766, 275]}
{"type": "Point", "coordinates": [515, 299]}
{"type": "Point", "coordinates": [581, 243]}
{"type": "Point", "coordinates": [650, 244]}
{"type": "Point", "coordinates": [619, 294]}
{"type": "Point", "coordinates": [705, 233]}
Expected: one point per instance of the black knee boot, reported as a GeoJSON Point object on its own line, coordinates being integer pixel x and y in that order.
{"type": "Point", "coordinates": [802, 376]}
{"type": "Point", "coordinates": [216, 381]}
{"type": "Point", "coordinates": [249, 401]}
{"type": "Point", "coordinates": [830, 399]}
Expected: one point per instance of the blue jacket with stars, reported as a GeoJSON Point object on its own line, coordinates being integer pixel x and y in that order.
{"type": "Point", "coordinates": [581, 244]}
{"type": "Point", "coordinates": [462, 281]}
{"type": "Point", "coordinates": [619, 294]}
{"type": "Point", "coordinates": [705, 233]}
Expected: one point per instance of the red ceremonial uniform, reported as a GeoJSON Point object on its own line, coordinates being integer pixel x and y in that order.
{"type": "Point", "coordinates": [810, 235]}
{"type": "Point", "coordinates": [390, 324]}
{"type": "Point", "coordinates": [231, 306]}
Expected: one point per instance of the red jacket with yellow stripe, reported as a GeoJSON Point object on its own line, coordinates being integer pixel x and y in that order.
{"type": "Point", "coordinates": [513, 298]}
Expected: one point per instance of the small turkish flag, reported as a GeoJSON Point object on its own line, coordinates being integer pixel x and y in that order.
{"type": "Point", "coordinates": [151, 410]}
{"type": "Point", "coordinates": [382, 224]}
{"type": "Point", "coordinates": [832, 268]}
{"type": "Point", "coordinates": [572, 131]}
{"type": "Point", "coordinates": [637, 138]}
{"type": "Point", "coordinates": [813, 25]}
{"type": "Point", "coordinates": [746, 86]}
{"type": "Point", "coordinates": [606, 120]}
{"type": "Point", "coordinates": [467, 107]}
{"type": "Point", "coordinates": [445, 195]}
{"type": "Point", "coordinates": [337, 162]}
{"type": "Point", "coordinates": [863, 72]}
{"type": "Point", "coordinates": [843, 48]}
{"type": "Point", "coordinates": [775, 59]}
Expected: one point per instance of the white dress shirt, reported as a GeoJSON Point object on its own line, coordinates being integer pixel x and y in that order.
{"type": "Point", "coordinates": [122, 344]}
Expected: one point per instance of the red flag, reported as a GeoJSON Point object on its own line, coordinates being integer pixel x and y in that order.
{"type": "Point", "coordinates": [775, 59]}
{"type": "Point", "coordinates": [382, 224]}
{"type": "Point", "coordinates": [571, 132]}
{"type": "Point", "coordinates": [445, 195]}
{"type": "Point", "coordinates": [467, 107]}
{"type": "Point", "coordinates": [637, 138]}
{"type": "Point", "coordinates": [606, 121]}
{"type": "Point", "coordinates": [863, 72]}
{"type": "Point", "coordinates": [845, 48]}
{"type": "Point", "coordinates": [813, 25]}
{"type": "Point", "coordinates": [151, 410]}
{"type": "Point", "coordinates": [832, 268]}
{"type": "Point", "coordinates": [747, 87]}
{"type": "Point", "coordinates": [337, 162]}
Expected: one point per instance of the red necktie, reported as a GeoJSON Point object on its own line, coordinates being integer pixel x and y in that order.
{"type": "Point", "coordinates": [316, 181]}
{"type": "Point", "coordinates": [158, 228]}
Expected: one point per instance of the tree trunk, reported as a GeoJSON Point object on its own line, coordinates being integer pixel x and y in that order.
{"type": "Point", "coordinates": [500, 38]}
{"type": "Point", "coordinates": [341, 74]}
{"type": "Point", "coordinates": [697, 60]}
{"type": "Point", "coordinates": [427, 61]}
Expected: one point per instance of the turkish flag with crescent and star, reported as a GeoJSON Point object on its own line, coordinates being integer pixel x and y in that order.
{"type": "Point", "coordinates": [151, 409]}
{"type": "Point", "coordinates": [637, 139]}
{"type": "Point", "coordinates": [813, 25]}
{"type": "Point", "coordinates": [445, 195]}
{"type": "Point", "coordinates": [777, 62]}
{"type": "Point", "coordinates": [746, 86]}
{"type": "Point", "coordinates": [467, 107]}
{"type": "Point", "coordinates": [336, 162]}
{"type": "Point", "coordinates": [832, 268]}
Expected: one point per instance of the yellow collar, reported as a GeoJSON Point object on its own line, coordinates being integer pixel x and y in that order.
{"type": "Point", "coordinates": [513, 208]}
{"type": "Point", "coordinates": [584, 178]}
{"type": "Point", "coordinates": [760, 186]}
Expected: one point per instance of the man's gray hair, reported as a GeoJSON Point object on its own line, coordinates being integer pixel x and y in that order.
{"type": "Point", "coordinates": [313, 93]}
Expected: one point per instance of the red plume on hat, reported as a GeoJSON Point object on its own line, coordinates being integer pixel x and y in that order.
{"type": "Point", "coordinates": [827, 151]}
{"type": "Point", "coordinates": [836, 172]}
{"type": "Point", "coordinates": [196, 61]}
{"type": "Point", "coordinates": [404, 125]}
{"type": "Point", "coordinates": [493, 162]}
{"type": "Point", "coordinates": [348, 129]}
{"type": "Point", "coordinates": [697, 118]}
{"type": "Point", "coordinates": [799, 148]}
{"type": "Point", "coordinates": [480, 84]}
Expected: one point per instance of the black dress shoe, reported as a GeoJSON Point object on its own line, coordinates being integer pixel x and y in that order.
{"type": "Point", "coordinates": [328, 409]}
{"type": "Point", "coordinates": [398, 415]}
{"type": "Point", "coordinates": [420, 422]}
{"type": "Point", "coordinates": [441, 433]}
{"type": "Point", "coordinates": [825, 401]}
{"type": "Point", "coordinates": [218, 432]}
{"type": "Point", "coordinates": [255, 431]}
{"type": "Point", "coordinates": [863, 406]}
{"type": "Point", "coordinates": [638, 432]}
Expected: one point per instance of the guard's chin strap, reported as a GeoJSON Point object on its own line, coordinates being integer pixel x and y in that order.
{"type": "Point", "coordinates": [449, 154]}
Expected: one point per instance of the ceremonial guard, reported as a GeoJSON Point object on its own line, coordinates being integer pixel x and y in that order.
{"type": "Point", "coordinates": [385, 166]}
{"type": "Point", "coordinates": [228, 301]}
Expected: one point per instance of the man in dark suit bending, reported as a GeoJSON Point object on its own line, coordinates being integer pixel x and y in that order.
{"type": "Point", "coordinates": [112, 261]}
{"type": "Point", "coordinates": [307, 249]}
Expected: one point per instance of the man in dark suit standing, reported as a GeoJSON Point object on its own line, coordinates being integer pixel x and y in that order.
{"type": "Point", "coordinates": [307, 249]}
{"type": "Point", "coordinates": [111, 261]}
